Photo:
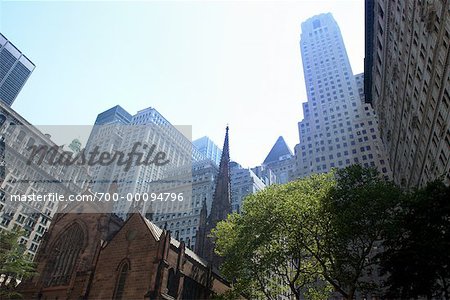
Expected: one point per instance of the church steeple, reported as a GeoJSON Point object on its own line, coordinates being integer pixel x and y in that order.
{"type": "Point", "coordinates": [220, 208]}
{"type": "Point", "coordinates": [221, 204]}
{"type": "Point", "coordinates": [203, 213]}
{"type": "Point", "coordinates": [201, 232]}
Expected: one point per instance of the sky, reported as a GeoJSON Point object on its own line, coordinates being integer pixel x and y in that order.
{"type": "Point", "coordinates": [200, 63]}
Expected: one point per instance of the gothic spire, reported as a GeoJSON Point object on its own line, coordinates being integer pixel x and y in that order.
{"type": "Point", "coordinates": [221, 204]}
{"type": "Point", "coordinates": [220, 208]}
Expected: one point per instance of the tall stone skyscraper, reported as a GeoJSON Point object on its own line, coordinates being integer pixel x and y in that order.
{"type": "Point", "coordinates": [115, 130]}
{"type": "Point", "coordinates": [20, 177]}
{"type": "Point", "coordinates": [107, 134]}
{"type": "Point", "coordinates": [338, 129]}
{"type": "Point", "coordinates": [220, 208]}
{"type": "Point", "coordinates": [407, 66]}
{"type": "Point", "coordinates": [15, 68]}
{"type": "Point", "coordinates": [182, 218]}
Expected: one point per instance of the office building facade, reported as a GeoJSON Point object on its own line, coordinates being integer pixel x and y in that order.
{"type": "Point", "coordinates": [265, 174]}
{"type": "Point", "coordinates": [408, 84]}
{"type": "Point", "coordinates": [207, 147]}
{"type": "Point", "coordinates": [118, 131]}
{"type": "Point", "coordinates": [244, 182]}
{"type": "Point", "coordinates": [149, 127]}
{"type": "Point", "coordinates": [15, 68]}
{"type": "Point", "coordinates": [182, 217]}
{"type": "Point", "coordinates": [338, 130]}
{"type": "Point", "coordinates": [21, 178]}
{"type": "Point", "coordinates": [107, 134]}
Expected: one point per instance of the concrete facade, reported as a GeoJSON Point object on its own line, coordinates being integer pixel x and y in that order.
{"type": "Point", "coordinates": [22, 178]}
{"type": "Point", "coordinates": [408, 84]}
{"type": "Point", "coordinates": [338, 129]}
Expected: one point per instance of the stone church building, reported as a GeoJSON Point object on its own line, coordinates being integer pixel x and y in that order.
{"type": "Point", "coordinates": [89, 254]}
{"type": "Point", "coordinates": [98, 256]}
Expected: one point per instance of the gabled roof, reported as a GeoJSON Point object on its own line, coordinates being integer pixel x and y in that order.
{"type": "Point", "coordinates": [279, 149]}
{"type": "Point", "coordinates": [156, 232]}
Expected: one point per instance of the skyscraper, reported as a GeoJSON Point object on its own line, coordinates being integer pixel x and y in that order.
{"type": "Point", "coordinates": [244, 182]}
{"type": "Point", "coordinates": [149, 127]}
{"type": "Point", "coordinates": [15, 68]}
{"type": "Point", "coordinates": [115, 114]}
{"type": "Point", "coordinates": [115, 130]}
{"type": "Point", "coordinates": [182, 217]}
{"type": "Point", "coordinates": [281, 161]}
{"type": "Point", "coordinates": [22, 178]}
{"type": "Point", "coordinates": [408, 83]}
{"type": "Point", "coordinates": [210, 150]}
{"type": "Point", "coordinates": [107, 134]}
{"type": "Point", "coordinates": [337, 129]}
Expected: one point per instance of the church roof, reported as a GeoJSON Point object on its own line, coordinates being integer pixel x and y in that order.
{"type": "Point", "coordinates": [280, 148]}
{"type": "Point", "coordinates": [156, 232]}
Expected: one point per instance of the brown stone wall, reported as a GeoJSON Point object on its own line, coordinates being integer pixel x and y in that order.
{"type": "Point", "coordinates": [135, 244]}
{"type": "Point", "coordinates": [97, 268]}
{"type": "Point", "coordinates": [94, 232]}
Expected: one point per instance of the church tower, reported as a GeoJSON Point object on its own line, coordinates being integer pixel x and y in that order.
{"type": "Point", "coordinates": [220, 209]}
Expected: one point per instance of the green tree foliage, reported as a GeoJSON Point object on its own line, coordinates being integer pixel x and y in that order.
{"type": "Point", "coordinates": [361, 206]}
{"type": "Point", "coordinates": [14, 264]}
{"type": "Point", "coordinates": [417, 256]}
{"type": "Point", "coordinates": [264, 247]}
{"type": "Point", "coordinates": [308, 235]}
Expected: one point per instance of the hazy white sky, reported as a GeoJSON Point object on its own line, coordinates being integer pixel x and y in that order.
{"type": "Point", "coordinates": [200, 63]}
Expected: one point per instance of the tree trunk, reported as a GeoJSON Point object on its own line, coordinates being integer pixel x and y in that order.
{"type": "Point", "coordinates": [295, 290]}
{"type": "Point", "coordinates": [350, 295]}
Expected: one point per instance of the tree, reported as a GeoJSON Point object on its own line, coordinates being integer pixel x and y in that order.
{"type": "Point", "coordinates": [360, 207]}
{"type": "Point", "coordinates": [265, 247]}
{"type": "Point", "coordinates": [417, 256]}
{"type": "Point", "coordinates": [310, 235]}
{"type": "Point", "coordinates": [14, 265]}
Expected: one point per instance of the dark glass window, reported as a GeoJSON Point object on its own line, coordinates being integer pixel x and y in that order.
{"type": "Point", "coordinates": [64, 256]}
{"type": "Point", "coordinates": [120, 286]}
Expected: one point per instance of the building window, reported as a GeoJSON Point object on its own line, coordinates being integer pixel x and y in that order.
{"type": "Point", "coordinates": [64, 256]}
{"type": "Point", "coordinates": [2, 119]}
{"type": "Point", "coordinates": [120, 286]}
{"type": "Point", "coordinates": [172, 283]}
{"type": "Point", "coordinates": [316, 24]}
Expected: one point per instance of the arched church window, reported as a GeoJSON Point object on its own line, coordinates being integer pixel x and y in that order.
{"type": "Point", "coordinates": [64, 255]}
{"type": "Point", "coordinates": [120, 285]}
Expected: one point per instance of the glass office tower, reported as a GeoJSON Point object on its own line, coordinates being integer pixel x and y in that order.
{"type": "Point", "coordinates": [15, 68]}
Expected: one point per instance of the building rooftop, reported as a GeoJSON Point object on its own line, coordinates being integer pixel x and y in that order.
{"type": "Point", "coordinates": [279, 149]}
